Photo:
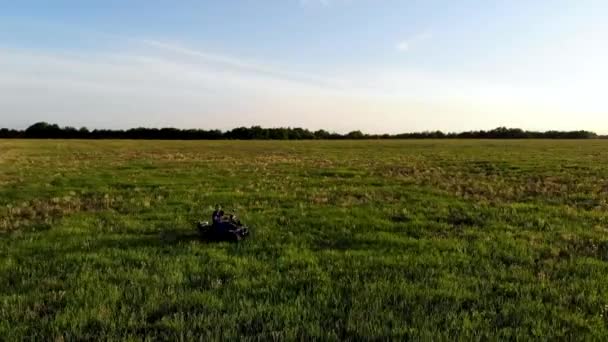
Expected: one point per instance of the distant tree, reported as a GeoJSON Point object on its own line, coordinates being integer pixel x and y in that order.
{"type": "Point", "coordinates": [278, 134]}
{"type": "Point", "coordinates": [45, 130]}
{"type": "Point", "coordinates": [321, 134]}
{"type": "Point", "coordinates": [355, 135]}
{"type": "Point", "coordinates": [300, 133]}
{"type": "Point", "coordinates": [240, 133]}
{"type": "Point", "coordinates": [83, 133]}
{"type": "Point", "coordinates": [6, 133]}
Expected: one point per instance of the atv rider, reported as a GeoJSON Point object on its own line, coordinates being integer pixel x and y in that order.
{"type": "Point", "coordinates": [221, 222]}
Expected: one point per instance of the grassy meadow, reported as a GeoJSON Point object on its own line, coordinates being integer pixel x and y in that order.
{"type": "Point", "coordinates": [430, 240]}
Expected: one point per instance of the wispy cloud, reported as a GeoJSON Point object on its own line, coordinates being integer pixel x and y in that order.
{"type": "Point", "coordinates": [247, 66]}
{"type": "Point", "coordinates": [410, 42]}
{"type": "Point", "coordinates": [323, 3]}
{"type": "Point", "coordinates": [155, 88]}
{"type": "Point", "coordinates": [157, 84]}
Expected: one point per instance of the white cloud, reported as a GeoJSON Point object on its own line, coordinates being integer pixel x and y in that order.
{"type": "Point", "coordinates": [408, 43]}
{"type": "Point", "coordinates": [161, 84]}
{"type": "Point", "coordinates": [403, 46]}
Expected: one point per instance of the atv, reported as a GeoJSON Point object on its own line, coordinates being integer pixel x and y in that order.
{"type": "Point", "coordinates": [229, 230]}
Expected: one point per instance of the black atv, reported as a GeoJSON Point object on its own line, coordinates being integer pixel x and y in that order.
{"type": "Point", "coordinates": [229, 230]}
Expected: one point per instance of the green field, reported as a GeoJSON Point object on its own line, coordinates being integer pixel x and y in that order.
{"type": "Point", "coordinates": [351, 240]}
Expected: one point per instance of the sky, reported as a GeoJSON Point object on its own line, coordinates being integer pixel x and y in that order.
{"type": "Point", "coordinates": [372, 65]}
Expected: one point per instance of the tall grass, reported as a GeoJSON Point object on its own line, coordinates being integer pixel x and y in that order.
{"type": "Point", "coordinates": [351, 240]}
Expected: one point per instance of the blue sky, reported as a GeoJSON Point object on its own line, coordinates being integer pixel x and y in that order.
{"type": "Point", "coordinates": [378, 66]}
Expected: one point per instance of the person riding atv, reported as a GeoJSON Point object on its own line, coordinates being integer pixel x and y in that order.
{"type": "Point", "coordinates": [223, 227]}
{"type": "Point", "coordinates": [222, 222]}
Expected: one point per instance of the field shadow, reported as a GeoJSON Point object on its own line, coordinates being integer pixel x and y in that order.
{"type": "Point", "coordinates": [162, 238]}
{"type": "Point", "coordinates": [65, 244]}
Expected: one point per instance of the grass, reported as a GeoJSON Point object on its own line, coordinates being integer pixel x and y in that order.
{"type": "Point", "coordinates": [351, 240]}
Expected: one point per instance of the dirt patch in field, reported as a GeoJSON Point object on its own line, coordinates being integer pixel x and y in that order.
{"type": "Point", "coordinates": [40, 214]}
{"type": "Point", "coordinates": [7, 155]}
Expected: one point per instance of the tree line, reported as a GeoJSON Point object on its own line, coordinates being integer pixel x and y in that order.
{"type": "Point", "coordinates": [43, 130]}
